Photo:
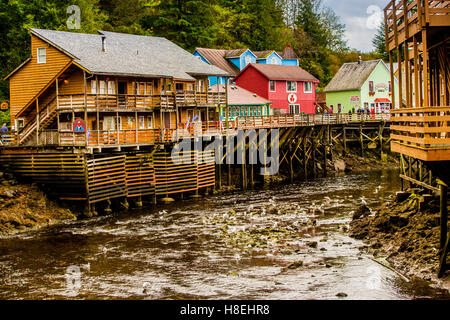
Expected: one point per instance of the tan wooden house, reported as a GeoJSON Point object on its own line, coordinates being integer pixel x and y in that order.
{"type": "Point", "coordinates": [108, 89]}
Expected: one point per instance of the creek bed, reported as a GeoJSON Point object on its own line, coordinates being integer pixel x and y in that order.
{"type": "Point", "coordinates": [287, 243]}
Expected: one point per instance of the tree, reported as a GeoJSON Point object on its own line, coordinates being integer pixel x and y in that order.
{"type": "Point", "coordinates": [379, 42]}
{"type": "Point", "coordinates": [188, 23]}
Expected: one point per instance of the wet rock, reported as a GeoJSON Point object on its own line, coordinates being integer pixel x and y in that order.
{"type": "Point", "coordinates": [339, 165]}
{"type": "Point", "coordinates": [362, 211]}
{"type": "Point", "coordinates": [9, 193]}
{"type": "Point", "coordinates": [341, 295]}
{"type": "Point", "coordinates": [272, 210]}
{"type": "Point", "coordinates": [312, 244]}
{"type": "Point", "coordinates": [295, 265]}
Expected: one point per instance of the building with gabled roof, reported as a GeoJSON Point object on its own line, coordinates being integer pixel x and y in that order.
{"type": "Point", "coordinates": [363, 86]}
{"type": "Point", "coordinates": [235, 60]}
{"type": "Point", "coordinates": [123, 89]}
{"type": "Point", "coordinates": [290, 88]}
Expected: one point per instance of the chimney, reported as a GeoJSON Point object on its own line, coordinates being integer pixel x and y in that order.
{"type": "Point", "coordinates": [359, 60]}
{"type": "Point", "coordinates": [103, 43]}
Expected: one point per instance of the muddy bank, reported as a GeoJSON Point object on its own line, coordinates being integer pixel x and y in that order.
{"type": "Point", "coordinates": [25, 206]}
{"type": "Point", "coordinates": [404, 235]}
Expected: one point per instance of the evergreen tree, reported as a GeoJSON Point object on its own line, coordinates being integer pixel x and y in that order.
{"type": "Point", "coordinates": [379, 42]}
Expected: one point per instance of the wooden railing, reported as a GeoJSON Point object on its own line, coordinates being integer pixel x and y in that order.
{"type": "Point", "coordinates": [418, 131]}
{"type": "Point", "coordinates": [126, 101]}
{"type": "Point", "coordinates": [150, 136]}
{"type": "Point", "coordinates": [405, 18]}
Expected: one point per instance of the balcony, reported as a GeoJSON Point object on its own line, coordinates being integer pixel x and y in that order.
{"type": "Point", "coordinates": [139, 102]}
{"type": "Point", "coordinates": [407, 18]}
{"type": "Point", "coordinates": [422, 133]}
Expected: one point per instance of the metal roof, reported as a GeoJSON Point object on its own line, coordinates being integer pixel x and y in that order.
{"type": "Point", "coordinates": [128, 54]}
{"type": "Point", "coordinates": [351, 76]}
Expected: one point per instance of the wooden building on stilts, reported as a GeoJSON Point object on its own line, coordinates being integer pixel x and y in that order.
{"type": "Point", "coordinates": [91, 113]}
{"type": "Point", "coordinates": [418, 37]}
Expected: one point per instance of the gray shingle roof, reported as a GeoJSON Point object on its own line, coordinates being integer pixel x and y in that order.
{"type": "Point", "coordinates": [129, 54]}
{"type": "Point", "coordinates": [351, 76]}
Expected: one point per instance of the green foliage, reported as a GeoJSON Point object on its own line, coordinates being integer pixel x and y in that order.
{"type": "Point", "coordinates": [313, 30]}
{"type": "Point", "coordinates": [5, 117]}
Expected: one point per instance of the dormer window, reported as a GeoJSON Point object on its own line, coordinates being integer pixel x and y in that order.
{"type": "Point", "coordinates": [273, 60]}
{"type": "Point", "coordinates": [41, 55]}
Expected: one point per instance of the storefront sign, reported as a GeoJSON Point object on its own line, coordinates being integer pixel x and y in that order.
{"type": "Point", "coordinates": [292, 98]}
{"type": "Point", "coordinates": [79, 126]}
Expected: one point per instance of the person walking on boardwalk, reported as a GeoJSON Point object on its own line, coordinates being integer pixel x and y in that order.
{"type": "Point", "coordinates": [4, 130]}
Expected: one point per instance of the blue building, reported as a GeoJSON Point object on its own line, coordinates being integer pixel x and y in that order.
{"type": "Point", "coordinates": [233, 61]}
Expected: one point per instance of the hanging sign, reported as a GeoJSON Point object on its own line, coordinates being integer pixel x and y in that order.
{"type": "Point", "coordinates": [4, 105]}
{"type": "Point", "coordinates": [354, 99]}
{"type": "Point", "coordinates": [292, 98]}
{"type": "Point", "coordinates": [79, 126]}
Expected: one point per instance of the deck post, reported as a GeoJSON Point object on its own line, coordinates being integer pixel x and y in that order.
{"type": "Point", "coordinates": [444, 215]}
{"type": "Point", "coordinates": [85, 105]}
{"type": "Point", "coordinates": [57, 111]}
{"type": "Point", "coordinates": [98, 112]}
{"type": "Point", "coordinates": [37, 121]}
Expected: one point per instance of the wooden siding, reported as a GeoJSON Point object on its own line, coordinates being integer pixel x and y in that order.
{"type": "Point", "coordinates": [29, 80]}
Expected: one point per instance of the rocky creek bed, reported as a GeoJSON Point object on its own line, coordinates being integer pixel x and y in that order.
{"type": "Point", "coordinates": [25, 206]}
{"type": "Point", "coordinates": [403, 235]}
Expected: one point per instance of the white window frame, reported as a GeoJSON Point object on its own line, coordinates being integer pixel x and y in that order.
{"type": "Point", "coordinates": [294, 108]}
{"type": "Point", "coordinates": [41, 58]}
{"type": "Point", "coordinates": [93, 87]}
{"type": "Point", "coordinates": [274, 86]}
{"type": "Point", "coordinates": [248, 59]}
{"type": "Point", "coordinates": [149, 122]}
{"type": "Point", "coordinates": [287, 86]}
{"type": "Point", "coordinates": [304, 87]}
{"type": "Point", "coordinates": [102, 87]}
{"type": "Point", "coordinates": [141, 122]}
{"type": "Point", "coordinates": [111, 87]}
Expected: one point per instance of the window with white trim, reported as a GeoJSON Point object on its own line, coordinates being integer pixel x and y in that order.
{"type": "Point", "coordinates": [274, 60]}
{"type": "Point", "coordinates": [307, 87]}
{"type": "Point", "coordinates": [294, 109]}
{"type": "Point", "coordinates": [102, 85]}
{"type": "Point", "coordinates": [272, 87]}
{"type": "Point", "coordinates": [248, 59]}
{"type": "Point", "coordinates": [41, 55]}
{"type": "Point", "coordinates": [93, 87]}
{"type": "Point", "coordinates": [149, 122]}
{"type": "Point", "coordinates": [111, 87]}
{"type": "Point", "coordinates": [291, 86]}
{"type": "Point", "coordinates": [141, 122]}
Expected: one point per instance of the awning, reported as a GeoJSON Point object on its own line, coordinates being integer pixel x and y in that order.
{"type": "Point", "coordinates": [382, 100]}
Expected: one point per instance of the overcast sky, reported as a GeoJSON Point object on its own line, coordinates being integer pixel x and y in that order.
{"type": "Point", "coordinates": [361, 18]}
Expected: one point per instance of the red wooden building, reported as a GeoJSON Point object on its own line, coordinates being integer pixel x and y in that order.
{"type": "Point", "coordinates": [290, 88]}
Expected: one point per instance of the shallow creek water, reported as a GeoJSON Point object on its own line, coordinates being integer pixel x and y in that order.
{"type": "Point", "coordinates": [286, 243]}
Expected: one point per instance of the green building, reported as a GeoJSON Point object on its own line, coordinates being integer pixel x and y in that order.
{"type": "Point", "coordinates": [362, 85]}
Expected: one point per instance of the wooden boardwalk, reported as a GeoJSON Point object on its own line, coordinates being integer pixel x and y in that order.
{"type": "Point", "coordinates": [112, 138]}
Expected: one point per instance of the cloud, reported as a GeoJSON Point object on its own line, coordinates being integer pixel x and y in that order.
{"type": "Point", "coordinates": [361, 18]}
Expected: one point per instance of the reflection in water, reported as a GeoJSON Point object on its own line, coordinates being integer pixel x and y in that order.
{"type": "Point", "coordinates": [194, 250]}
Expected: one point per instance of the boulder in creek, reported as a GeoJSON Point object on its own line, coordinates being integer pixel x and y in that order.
{"type": "Point", "coordinates": [339, 165]}
{"type": "Point", "coordinates": [361, 212]}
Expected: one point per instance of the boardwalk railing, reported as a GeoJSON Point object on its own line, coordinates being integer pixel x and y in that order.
{"type": "Point", "coordinates": [132, 101]}
{"type": "Point", "coordinates": [66, 137]}
{"type": "Point", "coordinates": [421, 131]}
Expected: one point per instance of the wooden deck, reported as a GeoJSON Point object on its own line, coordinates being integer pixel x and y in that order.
{"type": "Point", "coordinates": [105, 102]}
{"type": "Point", "coordinates": [111, 138]}
{"type": "Point", "coordinates": [422, 133]}
{"type": "Point", "coordinates": [406, 18]}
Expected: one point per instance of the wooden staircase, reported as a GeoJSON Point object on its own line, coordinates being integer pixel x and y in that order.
{"type": "Point", "coordinates": [46, 117]}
